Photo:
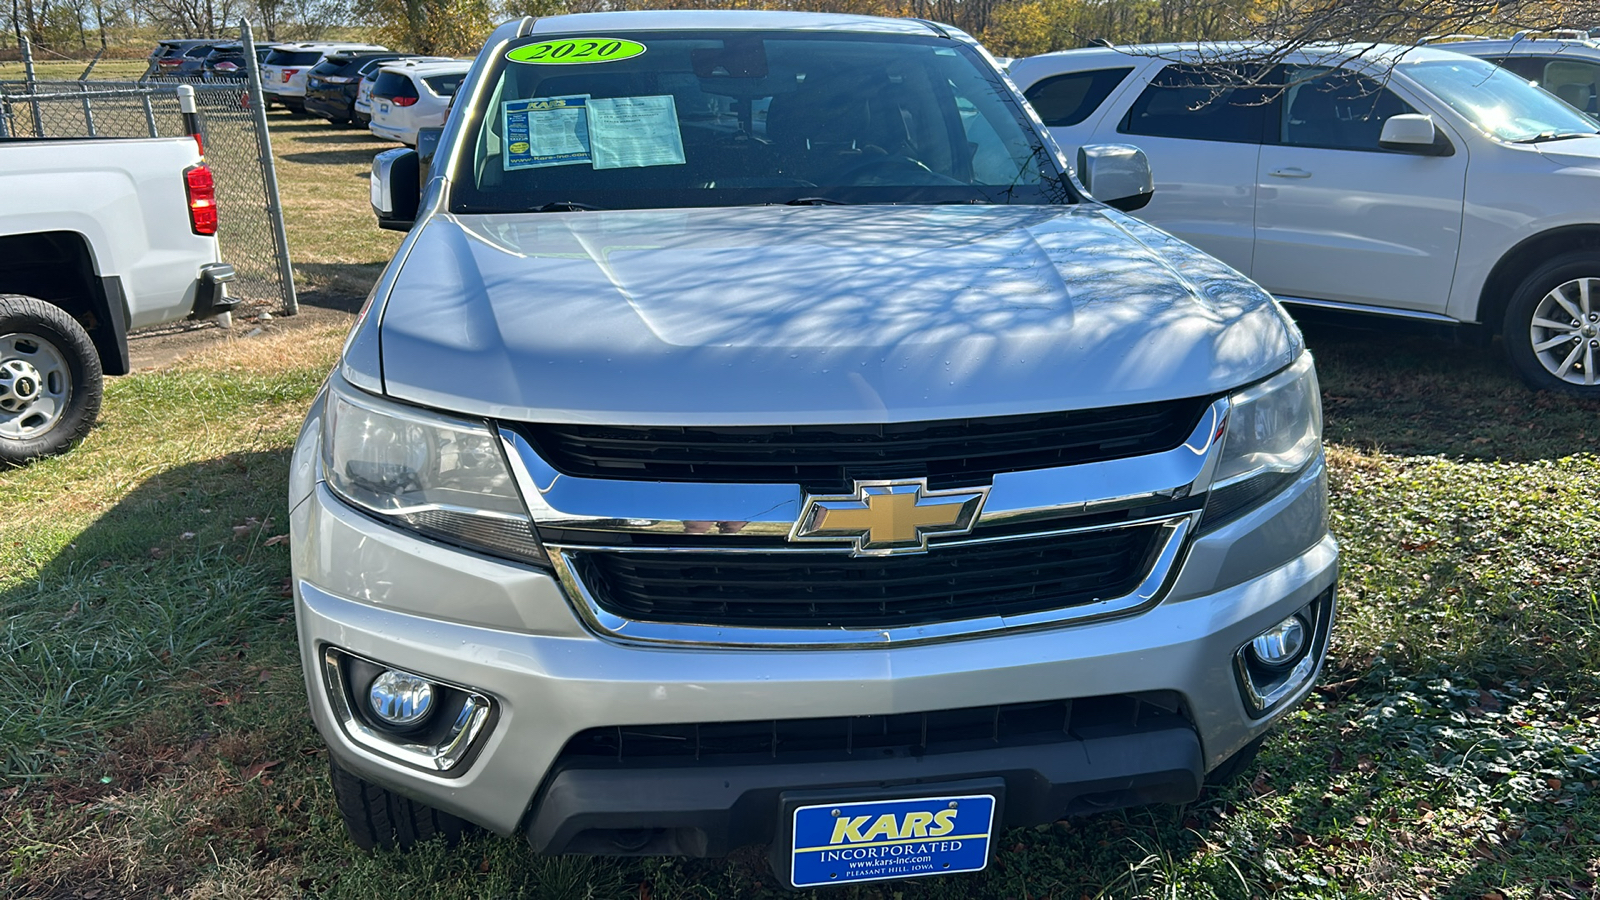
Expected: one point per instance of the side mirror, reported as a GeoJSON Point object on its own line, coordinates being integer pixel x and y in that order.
{"type": "Point", "coordinates": [1414, 133]}
{"type": "Point", "coordinates": [427, 146]}
{"type": "Point", "coordinates": [396, 188]}
{"type": "Point", "coordinates": [1117, 175]}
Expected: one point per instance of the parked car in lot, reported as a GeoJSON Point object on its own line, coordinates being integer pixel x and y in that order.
{"type": "Point", "coordinates": [332, 84]}
{"type": "Point", "coordinates": [283, 75]}
{"type": "Point", "coordinates": [771, 444]}
{"type": "Point", "coordinates": [363, 101]}
{"type": "Point", "coordinates": [1411, 182]}
{"type": "Point", "coordinates": [411, 95]}
{"type": "Point", "coordinates": [97, 236]}
{"type": "Point", "coordinates": [180, 58]}
{"type": "Point", "coordinates": [1565, 64]}
{"type": "Point", "coordinates": [228, 60]}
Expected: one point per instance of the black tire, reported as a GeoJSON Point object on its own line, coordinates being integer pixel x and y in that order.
{"type": "Point", "coordinates": [1534, 366]}
{"type": "Point", "coordinates": [44, 327]}
{"type": "Point", "coordinates": [379, 818]}
{"type": "Point", "coordinates": [1236, 765]}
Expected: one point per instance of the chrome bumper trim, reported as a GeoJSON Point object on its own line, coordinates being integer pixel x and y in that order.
{"type": "Point", "coordinates": [441, 758]}
{"type": "Point", "coordinates": [1175, 529]}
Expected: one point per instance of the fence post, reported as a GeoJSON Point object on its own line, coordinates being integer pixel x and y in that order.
{"type": "Point", "coordinates": [269, 172]}
{"type": "Point", "coordinates": [88, 110]}
{"type": "Point", "coordinates": [83, 85]}
{"type": "Point", "coordinates": [27, 69]}
{"type": "Point", "coordinates": [149, 112]}
{"type": "Point", "coordinates": [92, 63]}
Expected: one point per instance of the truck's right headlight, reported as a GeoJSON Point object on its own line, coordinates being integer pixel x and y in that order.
{"type": "Point", "coordinates": [1274, 432]}
{"type": "Point", "coordinates": [441, 476]}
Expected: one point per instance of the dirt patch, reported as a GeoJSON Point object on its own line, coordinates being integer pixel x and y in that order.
{"type": "Point", "coordinates": [164, 345]}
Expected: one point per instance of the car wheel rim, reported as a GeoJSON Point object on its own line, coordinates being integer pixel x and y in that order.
{"type": "Point", "coordinates": [1565, 331]}
{"type": "Point", "coordinates": [35, 384]}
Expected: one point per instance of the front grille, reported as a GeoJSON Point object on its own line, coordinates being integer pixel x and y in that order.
{"type": "Point", "coordinates": [866, 737]}
{"type": "Point", "coordinates": [816, 589]}
{"type": "Point", "coordinates": [834, 456]}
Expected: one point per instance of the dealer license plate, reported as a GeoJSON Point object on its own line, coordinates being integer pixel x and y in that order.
{"type": "Point", "coordinates": [881, 840]}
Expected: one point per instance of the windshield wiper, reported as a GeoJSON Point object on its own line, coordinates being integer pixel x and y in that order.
{"type": "Point", "coordinates": [567, 206]}
{"type": "Point", "coordinates": [813, 201]}
{"type": "Point", "coordinates": [1543, 136]}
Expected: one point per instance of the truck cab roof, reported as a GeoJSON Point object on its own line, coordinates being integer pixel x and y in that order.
{"type": "Point", "coordinates": [754, 20]}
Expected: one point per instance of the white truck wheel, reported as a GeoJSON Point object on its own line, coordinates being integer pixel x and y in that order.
{"type": "Point", "coordinates": [50, 380]}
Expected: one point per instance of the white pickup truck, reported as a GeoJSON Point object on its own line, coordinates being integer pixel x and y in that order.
{"type": "Point", "coordinates": [98, 236]}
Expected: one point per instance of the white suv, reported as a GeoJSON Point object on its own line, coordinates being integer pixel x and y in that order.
{"type": "Point", "coordinates": [1410, 182]}
{"type": "Point", "coordinates": [412, 95]}
{"type": "Point", "coordinates": [1566, 64]}
{"type": "Point", "coordinates": [283, 74]}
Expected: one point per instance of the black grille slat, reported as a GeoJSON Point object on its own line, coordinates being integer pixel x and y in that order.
{"type": "Point", "coordinates": [836, 455]}
{"type": "Point", "coordinates": [758, 742]}
{"type": "Point", "coordinates": [882, 588]}
{"type": "Point", "coordinates": [814, 589]}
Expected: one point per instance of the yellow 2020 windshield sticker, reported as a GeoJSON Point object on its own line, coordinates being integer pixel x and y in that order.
{"type": "Point", "coordinates": [576, 51]}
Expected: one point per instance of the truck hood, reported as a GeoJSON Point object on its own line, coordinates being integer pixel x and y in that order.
{"type": "Point", "coordinates": [815, 315]}
{"type": "Point", "coordinates": [1583, 152]}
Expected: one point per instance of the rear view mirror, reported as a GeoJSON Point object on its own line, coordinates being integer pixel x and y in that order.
{"type": "Point", "coordinates": [738, 58]}
{"type": "Point", "coordinates": [1413, 133]}
{"type": "Point", "coordinates": [1117, 175]}
{"type": "Point", "coordinates": [396, 188]}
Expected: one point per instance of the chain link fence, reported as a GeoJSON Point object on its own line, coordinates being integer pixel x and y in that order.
{"type": "Point", "coordinates": [238, 148]}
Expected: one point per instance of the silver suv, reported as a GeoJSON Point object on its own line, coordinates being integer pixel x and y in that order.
{"type": "Point", "coordinates": [761, 437]}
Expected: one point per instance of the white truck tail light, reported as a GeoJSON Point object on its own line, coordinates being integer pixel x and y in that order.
{"type": "Point", "coordinates": [202, 191]}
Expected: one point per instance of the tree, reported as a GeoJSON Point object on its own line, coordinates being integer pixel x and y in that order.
{"type": "Point", "coordinates": [439, 27]}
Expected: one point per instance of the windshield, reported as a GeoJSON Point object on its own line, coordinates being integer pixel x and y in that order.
{"type": "Point", "coordinates": [1499, 103]}
{"type": "Point", "coordinates": [694, 119]}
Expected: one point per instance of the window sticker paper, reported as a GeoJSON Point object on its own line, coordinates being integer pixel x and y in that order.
{"type": "Point", "coordinates": [545, 131]}
{"type": "Point", "coordinates": [630, 132]}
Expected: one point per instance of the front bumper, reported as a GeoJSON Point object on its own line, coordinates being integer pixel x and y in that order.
{"type": "Point", "coordinates": [509, 631]}
{"type": "Point", "coordinates": [684, 810]}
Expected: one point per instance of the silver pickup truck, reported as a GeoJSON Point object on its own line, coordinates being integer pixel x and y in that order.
{"type": "Point", "coordinates": [97, 236]}
{"type": "Point", "coordinates": [763, 436]}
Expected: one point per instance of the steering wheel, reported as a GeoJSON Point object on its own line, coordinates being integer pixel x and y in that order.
{"type": "Point", "coordinates": [886, 166]}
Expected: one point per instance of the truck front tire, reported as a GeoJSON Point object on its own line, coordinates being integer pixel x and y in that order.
{"type": "Point", "coordinates": [378, 818]}
{"type": "Point", "coordinates": [1552, 326]}
{"type": "Point", "coordinates": [50, 380]}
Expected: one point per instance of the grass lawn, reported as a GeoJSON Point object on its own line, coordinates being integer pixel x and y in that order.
{"type": "Point", "coordinates": [153, 738]}
{"type": "Point", "coordinates": [71, 69]}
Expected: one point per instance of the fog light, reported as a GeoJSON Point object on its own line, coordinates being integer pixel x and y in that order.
{"type": "Point", "coordinates": [1281, 644]}
{"type": "Point", "coordinates": [400, 698]}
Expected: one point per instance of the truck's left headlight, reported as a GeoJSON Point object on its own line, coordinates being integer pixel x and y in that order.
{"type": "Point", "coordinates": [441, 476]}
{"type": "Point", "coordinates": [1274, 432]}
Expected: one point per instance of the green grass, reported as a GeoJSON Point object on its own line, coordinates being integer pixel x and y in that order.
{"type": "Point", "coordinates": [337, 247]}
{"type": "Point", "coordinates": [154, 739]}
{"type": "Point", "coordinates": [72, 69]}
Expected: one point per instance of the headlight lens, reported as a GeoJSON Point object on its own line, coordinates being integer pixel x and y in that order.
{"type": "Point", "coordinates": [444, 477]}
{"type": "Point", "coordinates": [1274, 431]}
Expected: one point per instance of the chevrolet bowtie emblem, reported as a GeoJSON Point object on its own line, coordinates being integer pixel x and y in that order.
{"type": "Point", "coordinates": [888, 517]}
